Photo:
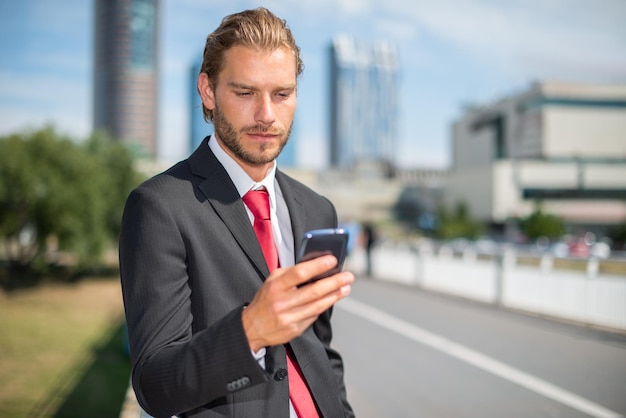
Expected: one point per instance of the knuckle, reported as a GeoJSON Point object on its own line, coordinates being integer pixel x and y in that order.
{"type": "Point", "coordinates": [301, 270]}
{"type": "Point", "coordinates": [273, 286]}
{"type": "Point", "coordinates": [278, 307]}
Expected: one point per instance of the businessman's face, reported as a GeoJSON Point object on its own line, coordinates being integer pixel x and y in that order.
{"type": "Point", "coordinates": [253, 103]}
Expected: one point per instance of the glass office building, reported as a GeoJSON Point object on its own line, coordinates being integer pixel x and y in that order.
{"type": "Point", "coordinates": [198, 127]}
{"type": "Point", "coordinates": [126, 72]}
{"type": "Point", "coordinates": [363, 103]}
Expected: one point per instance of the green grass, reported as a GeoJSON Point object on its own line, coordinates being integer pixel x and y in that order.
{"type": "Point", "coordinates": [61, 351]}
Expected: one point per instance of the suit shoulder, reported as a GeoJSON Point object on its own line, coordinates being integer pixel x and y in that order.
{"type": "Point", "coordinates": [172, 177]}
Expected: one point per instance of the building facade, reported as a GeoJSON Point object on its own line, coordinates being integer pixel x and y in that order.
{"type": "Point", "coordinates": [363, 104]}
{"type": "Point", "coordinates": [558, 145]}
{"type": "Point", "coordinates": [198, 127]}
{"type": "Point", "coordinates": [126, 72]}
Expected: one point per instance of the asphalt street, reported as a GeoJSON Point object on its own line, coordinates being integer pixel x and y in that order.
{"type": "Point", "coordinates": [410, 353]}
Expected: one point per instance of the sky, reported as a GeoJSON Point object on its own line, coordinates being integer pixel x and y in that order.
{"type": "Point", "coordinates": [452, 53]}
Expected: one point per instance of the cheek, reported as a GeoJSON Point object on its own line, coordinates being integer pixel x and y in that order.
{"type": "Point", "coordinates": [288, 111]}
{"type": "Point", "coordinates": [233, 112]}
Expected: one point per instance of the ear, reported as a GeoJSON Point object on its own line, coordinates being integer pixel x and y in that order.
{"type": "Point", "coordinates": [205, 89]}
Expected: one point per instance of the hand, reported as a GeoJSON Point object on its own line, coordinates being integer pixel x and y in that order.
{"type": "Point", "coordinates": [281, 311]}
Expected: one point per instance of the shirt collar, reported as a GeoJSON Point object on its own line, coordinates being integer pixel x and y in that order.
{"type": "Point", "coordinates": [242, 181]}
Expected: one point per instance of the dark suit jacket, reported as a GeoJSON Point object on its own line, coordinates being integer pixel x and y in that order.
{"type": "Point", "coordinates": [189, 262]}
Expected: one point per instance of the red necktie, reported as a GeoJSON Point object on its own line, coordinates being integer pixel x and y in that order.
{"type": "Point", "coordinates": [259, 204]}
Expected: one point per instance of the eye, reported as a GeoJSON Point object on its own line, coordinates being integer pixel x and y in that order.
{"type": "Point", "coordinates": [243, 93]}
{"type": "Point", "coordinates": [285, 94]}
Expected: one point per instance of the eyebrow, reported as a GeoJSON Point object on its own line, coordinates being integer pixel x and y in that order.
{"type": "Point", "coordinates": [243, 86]}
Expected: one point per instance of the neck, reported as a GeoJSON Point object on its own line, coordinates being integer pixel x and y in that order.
{"type": "Point", "coordinates": [257, 172]}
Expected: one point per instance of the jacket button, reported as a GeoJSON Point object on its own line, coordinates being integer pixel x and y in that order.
{"type": "Point", "coordinates": [280, 374]}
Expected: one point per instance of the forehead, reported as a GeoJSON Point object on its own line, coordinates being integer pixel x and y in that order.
{"type": "Point", "coordinates": [258, 67]}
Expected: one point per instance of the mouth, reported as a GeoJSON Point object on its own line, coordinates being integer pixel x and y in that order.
{"type": "Point", "coordinates": [263, 136]}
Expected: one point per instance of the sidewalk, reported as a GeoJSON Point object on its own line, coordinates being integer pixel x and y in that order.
{"type": "Point", "coordinates": [130, 407]}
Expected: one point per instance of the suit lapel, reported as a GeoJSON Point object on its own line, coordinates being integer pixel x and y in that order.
{"type": "Point", "coordinates": [296, 207]}
{"type": "Point", "coordinates": [225, 200]}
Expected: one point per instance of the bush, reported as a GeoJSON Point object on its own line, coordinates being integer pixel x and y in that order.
{"type": "Point", "coordinates": [540, 224]}
{"type": "Point", "coordinates": [457, 224]}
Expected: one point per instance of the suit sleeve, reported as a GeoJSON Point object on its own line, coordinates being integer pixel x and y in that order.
{"type": "Point", "coordinates": [174, 369]}
{"type": "Point", "coordinates": [323, 329]}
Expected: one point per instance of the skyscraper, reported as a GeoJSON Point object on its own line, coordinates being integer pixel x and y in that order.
{"type": "Point", "coordinates": [126, 72]}
{"type": "Point", "coordinates": [198, 127]}
{"type": "Point", "coordinates": [363, 103]}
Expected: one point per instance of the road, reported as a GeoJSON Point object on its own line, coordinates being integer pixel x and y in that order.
{"type": "Point", "coordinates": [410, 353]}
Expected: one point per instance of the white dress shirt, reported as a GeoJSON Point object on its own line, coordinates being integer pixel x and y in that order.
{"type": "Point", "coordinates": [281, 221]}
{"type": "Point", "coordinates": [279, 214]}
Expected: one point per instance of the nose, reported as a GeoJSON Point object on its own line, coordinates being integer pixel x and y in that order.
{"type": "Point", "coordinates": [265, 110]}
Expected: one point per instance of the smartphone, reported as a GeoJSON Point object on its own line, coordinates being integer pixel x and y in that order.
{"type": "Point", "coordinates": [321, 242]}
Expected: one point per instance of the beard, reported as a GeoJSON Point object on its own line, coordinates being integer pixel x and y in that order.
{"type": "Point", "coordinates": [266, 153]}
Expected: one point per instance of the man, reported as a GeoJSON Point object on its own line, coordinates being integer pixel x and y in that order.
{"type": "Point", "coordinates": [213, 328]}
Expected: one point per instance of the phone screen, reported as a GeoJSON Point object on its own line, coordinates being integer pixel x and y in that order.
{"type": "Point", "coordinates": [325, 241]}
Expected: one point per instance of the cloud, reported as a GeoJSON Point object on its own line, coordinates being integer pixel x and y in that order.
{"type": "Point", "coordinates": [329, 8]}
{"type": "Point", "coordinates": [397, 29]}
{"type": "Point", "coordinates": [51, 99]}
{"type": "Point", "coordinates": [526, 38]}
{"type": "Point", "coordinates": [444, 46]}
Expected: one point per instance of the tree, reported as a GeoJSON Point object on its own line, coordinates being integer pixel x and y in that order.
{"type": "Point", "coordinates": [457, 224]}
{"type": "Point", "coordinates": [541, 224]}
{"type": "Point", "coordinates": [55, 191]}
{"type": "Point", "coordinates": [117, 162]}
{"type": "Point", "coordinates": [617, 233]}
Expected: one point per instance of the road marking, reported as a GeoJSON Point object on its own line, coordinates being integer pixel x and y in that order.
{"type": "Point", "coordinates": [476, 359]}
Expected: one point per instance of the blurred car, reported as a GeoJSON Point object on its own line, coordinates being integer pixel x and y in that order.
{"type": "Point", "coordinates": [600, 250]}
{"type": "Point", "coordinates": [486, 245]}
{"type": "Point", "coordinates": [579, 248]}
{"type": "Point", "coordinates": [459, 245]}
{"type": "Point", "coordinates": [559, 249]}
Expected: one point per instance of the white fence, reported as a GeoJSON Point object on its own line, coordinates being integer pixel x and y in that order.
{"type": "Point", "coordinates": [586, 297]}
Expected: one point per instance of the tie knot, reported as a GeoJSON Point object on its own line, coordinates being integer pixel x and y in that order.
{"type": "Point", "coordinates": [258, 201]}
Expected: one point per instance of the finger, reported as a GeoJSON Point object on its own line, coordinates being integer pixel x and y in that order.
{"type": "Point", "coordinates": [320, 296]}
{"type": "Point", "coordinates": [306, 270]}
{"type": "Point", "coordinates": [338, 283]}
{"type": "Point", "coordinates": [327, 285]}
